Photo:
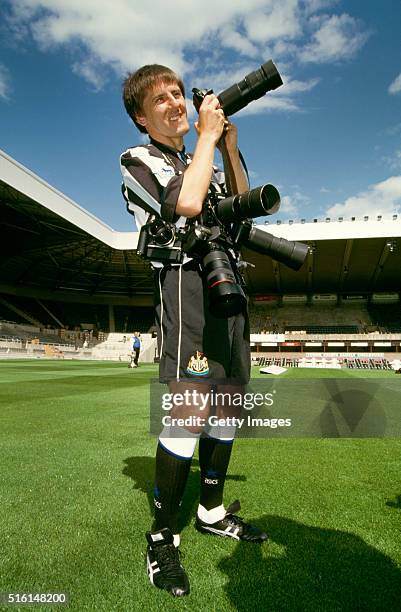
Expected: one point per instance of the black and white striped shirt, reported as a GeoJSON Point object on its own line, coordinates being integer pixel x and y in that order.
{"type": "Point", "coordinates": [157, 170]}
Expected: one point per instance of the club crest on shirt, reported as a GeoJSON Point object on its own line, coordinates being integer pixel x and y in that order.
{"type": "Point", "coordinates": [198, 365]}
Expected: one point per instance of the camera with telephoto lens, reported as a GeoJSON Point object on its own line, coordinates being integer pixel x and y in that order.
{"type": "Point", "coordinates": [225, 224]}
{"type": "Point", "coordinates": [163, 242]}
{"type": "Point", "coordinates": [252, 87]}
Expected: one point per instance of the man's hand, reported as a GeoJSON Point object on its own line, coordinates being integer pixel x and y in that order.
{"type": "Point", "coordinates": [229, 136]}
{"type": "Point", "coordinates": [211, 120]}
{"type": "Point", "coordinates": [236, 178]}
{"type": "Point", "coordinates": [195, 184]}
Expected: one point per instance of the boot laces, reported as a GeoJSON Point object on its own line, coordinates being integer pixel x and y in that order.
{"type": "Point", "coordinates": [168, 558]}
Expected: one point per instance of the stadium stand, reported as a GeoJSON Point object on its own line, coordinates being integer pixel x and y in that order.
{"type": "Point", "coordinates": [324, 362]}
{"type": "Point", "coordinates": [324, 329]}
{"type": "Point", "coordinates": [283, 362]}
{"type": "Point", "coordinates": [117, 347]}
{"type": "Point", "coordinates": [51, 314]}
{"type": "Point", "coordinates": [316, 318]}
{"type": "Point", "coordinates": [129, 319]}
{"type": "Point", "coordinates": [53, 351]}
{"type": "Point", "coordinates": [46, 313]}
{"type": "Point", "coordinates": [9, 314]}
{"type": "Point", "coordinates": [67, 279]}
{"type": "Point", "coordinates": [367, 364]}
{"type": "Point", "coordinates": [387, 317]}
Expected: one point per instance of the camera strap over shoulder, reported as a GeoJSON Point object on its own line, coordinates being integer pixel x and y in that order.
{"type": "Point", "coordinates": [131, 197]}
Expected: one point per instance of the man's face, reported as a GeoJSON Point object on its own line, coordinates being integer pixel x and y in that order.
{"type": "Point", "coordinates": [164, 113]}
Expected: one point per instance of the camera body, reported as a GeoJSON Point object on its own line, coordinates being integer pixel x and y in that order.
{"type": "Point", "coordinates": [210, 244]}
{"type": "Point", "coordinates": [160, 241]}
{"type": "Point", "coordinates": [164, 242]}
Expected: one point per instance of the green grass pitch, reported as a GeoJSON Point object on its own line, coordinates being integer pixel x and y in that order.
{"type": "Point", "coordinates": [77, 467]}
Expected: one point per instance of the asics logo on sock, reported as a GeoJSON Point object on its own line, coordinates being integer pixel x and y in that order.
{"type": "Point", "coordinates": [212, 481]}
{"type": "Point", "coordinates": [157, 503]}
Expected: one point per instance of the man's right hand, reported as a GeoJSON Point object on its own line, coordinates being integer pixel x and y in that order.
{"type": "Point", "coordinates": [196, 181]}
{"type": "Point", "coordinates": [211, 120]}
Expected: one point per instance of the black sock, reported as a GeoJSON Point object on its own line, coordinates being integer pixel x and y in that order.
{"type": "Point", "coordinates": [214, 457]}
{"type": "Point", "coordinates": [171, 477]}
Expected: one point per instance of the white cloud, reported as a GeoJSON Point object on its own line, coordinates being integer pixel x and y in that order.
{"type": "Point", "coordinates": [395, 86]}
{"type": "Point", "coordinates": [393, 161]}
{"type": "Point", "coordinates": [288, 207]}
{"type": "Point", "coordinates": [278, 20]}
{"type": "Point", "coordinates": [191, 112]}
{"type": "Point", "coordinates": [336, 37]}
{"type": "Point", "coordinates": [4, 83]}
{"type": "Point", "coordinates": [284, 48]}
{"type": "Point", "coordinates": [125, 34]}
{"type": "Point", "coordinates": [280, 99]}
{"type": "Point", "coordinates": [393, 130]}
{"type": "Point", "coordinates": [267, 104]}
{"type": "Point", "coordinates": [91, 72]}
{"type": "Point", "coordinates": [294, 86]}
{"type": "Point", "coordinates": [232, 39]}
{"type": "Point", "coordinates": [312, 6]}
{"type": "Point", "coordinates": [383, 198]}
{"type": "Point", "coordinates": [293, 204]}
{"type": "Point", "coordinates": [253, 175]}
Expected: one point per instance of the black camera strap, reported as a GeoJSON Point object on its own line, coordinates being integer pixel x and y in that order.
{"type": "Point", "coordinates": [244, 164]}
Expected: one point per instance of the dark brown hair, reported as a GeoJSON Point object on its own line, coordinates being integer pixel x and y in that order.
{"type": "Point", "coordinates": [137, 84]}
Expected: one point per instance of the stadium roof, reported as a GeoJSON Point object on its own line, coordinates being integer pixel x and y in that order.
{"type": "Point", "coordinates": [53, 248]}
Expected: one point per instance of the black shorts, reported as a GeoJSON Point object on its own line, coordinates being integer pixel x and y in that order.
{"type": "Point", "coordinates": [193, 344]}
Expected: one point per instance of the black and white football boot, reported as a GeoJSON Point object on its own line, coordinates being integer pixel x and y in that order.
{"type": "Point", "coordinates": [163, 563]}
{"type": "Point", "coordinates": [232, 526]}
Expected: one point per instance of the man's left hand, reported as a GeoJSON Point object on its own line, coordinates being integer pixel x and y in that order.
{"type": "Point", "coordinates": [229, 136]}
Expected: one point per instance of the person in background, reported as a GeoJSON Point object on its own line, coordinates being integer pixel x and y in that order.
{"type": "Point", "coordinates": [136, 348]}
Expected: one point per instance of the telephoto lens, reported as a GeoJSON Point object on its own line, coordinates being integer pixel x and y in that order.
{"type": "Point", "coordinates": [255, 85]}
{"type": "Point", "coordinates": [291, 254]}
{"type": "Point", "coordinates": [226, 297]}
{"type": "Point", "coordinates": [252, 87]}
{"type": "Point", "coordinates": [257, 202]}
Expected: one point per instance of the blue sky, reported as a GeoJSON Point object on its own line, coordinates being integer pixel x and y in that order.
{"type": "Point", "coordinates": [329, 138]}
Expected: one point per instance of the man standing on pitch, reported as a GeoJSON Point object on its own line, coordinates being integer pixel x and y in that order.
{"type": "Point", "coordinates": [193, 343]}
{"type": "Point", "coordinates": [136, 348]}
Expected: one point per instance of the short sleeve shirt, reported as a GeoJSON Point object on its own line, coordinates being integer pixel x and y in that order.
{"type": "Point", "coordinates": [159, 170]}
